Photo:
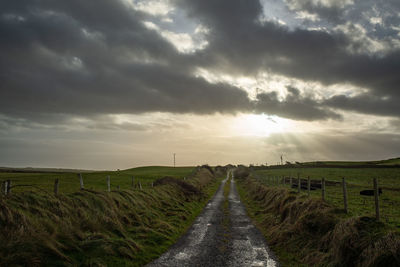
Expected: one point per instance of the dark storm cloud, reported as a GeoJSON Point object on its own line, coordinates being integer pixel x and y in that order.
{"type": "Point", "coordinates": [241, 43]}
{"type": "Point", "coordinates": [85, 58]}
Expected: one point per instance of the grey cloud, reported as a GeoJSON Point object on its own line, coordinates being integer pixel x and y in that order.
{"type": "Point", "coordinates": [365, 103]}
{"type": "Point", "coordinates": [56, 122]}
{"type": "Point", "coordinates": [395, 124]}
{"type": "Point", "coordinates": [109, 123]}
{"type": "Point", "coordinates": [126, 126]}
{"type": "Point", "coordinates": [35, 121]}
{"type": "Point", "coordinates": [294, 106]}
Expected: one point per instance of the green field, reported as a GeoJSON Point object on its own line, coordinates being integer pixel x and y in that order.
{"type": "Point", "coordinates": [357, 179]}
{"type": "Point", "coordinates": [69, 182]}
{"type": "Point", "coordinates": [387, 162]}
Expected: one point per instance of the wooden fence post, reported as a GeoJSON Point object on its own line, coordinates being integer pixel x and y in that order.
{"type": "Point", "coordinates": [140, 186]}
{"type": "Point", "coordinates": [108, 183]}
{"type": "Point", "coordinates": [5, 187]}
{"type": "Point", "coordinates": [81, 181]}
{"type": "Point", "coordinates": [56, 186]}
{"type": "Point", "coordinates": [308, 185]}
{"type": "Point", "coordinates": [298, 183]}
{"type": "Point", "coordinates": [376, 193]}
{"type": "Point", "coordinates": [291, 181]}
{"type": "Point", "coordinates": [152, 184]}
{"type": "Point", "coordinates": [8, 186]}
{"type": "Point", "coordinates": [323, 188]}
{"type": "Point", "coordinates": [133, 181]}
{"type": "Point", "coordinates": [345, 195]}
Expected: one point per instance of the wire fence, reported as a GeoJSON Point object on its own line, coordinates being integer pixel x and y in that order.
{"type": "Point", "coordinates": [72, 182]}
{"type": "Point", "coordinates": [8, 186]}
{"type": "Point", "coordinates": [377, 199]}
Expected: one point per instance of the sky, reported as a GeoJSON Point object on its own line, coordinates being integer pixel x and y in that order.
{"type": "Point", "coordinates": [107, 84]}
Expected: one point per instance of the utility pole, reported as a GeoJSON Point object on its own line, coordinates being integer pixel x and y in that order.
{"type": "Point", "coordinates": [174, 160]}
{"type": "Point", "coordinates": [281, 159]}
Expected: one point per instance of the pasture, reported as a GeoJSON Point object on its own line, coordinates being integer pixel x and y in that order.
{"type": "Point", "coordinates": [385, 162]}
{"type": "Point", "coordinates": [357, 179]}
{"type": "Point", "coordinates": [69, 181]}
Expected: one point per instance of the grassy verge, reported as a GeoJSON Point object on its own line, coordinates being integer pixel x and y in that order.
{"type": "Point", "coordinates": [357, 179]}
{"type": "Point", "coordinates": [97, 228]}
{"type": "Point", "coordinates": [305, 231]}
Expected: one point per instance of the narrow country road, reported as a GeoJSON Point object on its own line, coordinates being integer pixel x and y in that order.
{"type": "Point", "coordinates": [222, 235]}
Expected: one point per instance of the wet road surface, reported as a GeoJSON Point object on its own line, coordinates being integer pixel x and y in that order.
{"type": "Point", "coordinates": [222, 235]}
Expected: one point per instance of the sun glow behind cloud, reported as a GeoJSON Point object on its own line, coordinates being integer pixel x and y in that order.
{"type": "Point", "coordinates": [260, 125]}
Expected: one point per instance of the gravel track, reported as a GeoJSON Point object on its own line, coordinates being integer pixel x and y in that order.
{"type": "Point", "coordinates": [222, 235]}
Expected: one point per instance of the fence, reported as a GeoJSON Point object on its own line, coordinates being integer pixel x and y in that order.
{"type": "Point", "coordinates": [345, 193]}
{"type": "Point", "coordinates": [9, 185]}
